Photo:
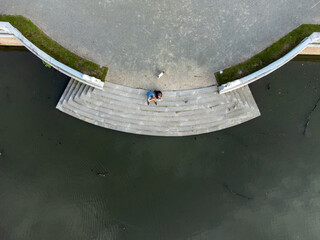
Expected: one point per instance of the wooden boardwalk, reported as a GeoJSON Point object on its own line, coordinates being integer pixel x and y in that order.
{"type": "Point", "coordinates": [180, 113]}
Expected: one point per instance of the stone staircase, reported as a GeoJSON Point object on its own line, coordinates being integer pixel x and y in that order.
{"type": "Point", "coordinates": [179, 113]}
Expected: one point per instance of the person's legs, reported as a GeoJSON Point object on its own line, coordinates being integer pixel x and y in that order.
{"type": "Point", "coordinates": [154, 99]}
{"type": "Point", "coordinates": [150, 97]}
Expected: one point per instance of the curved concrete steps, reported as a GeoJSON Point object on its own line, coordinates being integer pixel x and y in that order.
{"type": "Point", "coordinates": [180, 113]}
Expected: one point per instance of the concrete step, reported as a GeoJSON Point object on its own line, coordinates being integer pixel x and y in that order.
{"type": "Point", "coordinates": [169, 96]}
{"type": "Point", "coordinates": [129, 90]}
{"type": "Point", "coordinates": [156, 110]}
{"type": "Point", "coordinates": [142, 125]}
{"type": "Point", "coordinates": [71, 90]}
{"type": "Point", "coordinates": [74, 92]}
{"type": "Point", "coordinates": [80, 91]}
{"type": "Point", "coordinates": [145, 109]}
{"type": "Point", "coordinates": [139, 114]}
{"type": "Point", "coordinates": [180, 113]}
{"type": "Point", "coordinates": [153, 130]}
{"type": "Point", "coordinates": [162, 105]}
{"type": "Point", "coordinates": [64, 94]}
{"type": "Point", "coordinates": [134, 119]}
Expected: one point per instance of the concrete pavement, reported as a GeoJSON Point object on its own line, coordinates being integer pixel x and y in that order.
{"type": "Point", "coordinates": [189, 40]}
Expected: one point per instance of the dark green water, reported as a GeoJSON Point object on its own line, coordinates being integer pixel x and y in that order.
{"type": "Point", "coordinates": [259, 180]}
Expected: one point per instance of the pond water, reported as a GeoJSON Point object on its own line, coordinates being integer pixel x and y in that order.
{"type": "Point", "coordinates": [258, 180]}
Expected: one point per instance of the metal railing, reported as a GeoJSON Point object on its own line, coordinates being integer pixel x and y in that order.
{"type": "Point", "coordinates": [230, 86]}
{"type": "Point", "coordinates": [7, 28]}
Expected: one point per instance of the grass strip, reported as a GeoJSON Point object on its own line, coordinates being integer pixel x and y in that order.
{"type": "Point", "coordinates": [52, 48]}
{"type": "Point", "coordinates": [268, 55]}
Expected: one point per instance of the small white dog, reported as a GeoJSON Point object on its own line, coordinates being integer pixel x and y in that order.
{"type": "Point", "coordinates": [160, 74]}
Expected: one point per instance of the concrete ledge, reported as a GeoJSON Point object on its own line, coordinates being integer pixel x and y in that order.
{"type": "Point", "coordinates": [9, 40]}
{"type": "Point", "coordinates": [7, 29]}
{"type": "Point", "coordinates": [312, 40]}
{"type": "Point", "coordinates": [312, 49]}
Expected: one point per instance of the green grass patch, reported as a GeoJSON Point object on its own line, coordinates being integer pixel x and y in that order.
{"type": "Point", "coordinates": [52, 48]}
{"type": "Point", "coordinates": [267, 56]}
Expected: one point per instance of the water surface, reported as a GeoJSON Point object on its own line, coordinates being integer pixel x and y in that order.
{"type": "Point", "coordinates": [258, 180]}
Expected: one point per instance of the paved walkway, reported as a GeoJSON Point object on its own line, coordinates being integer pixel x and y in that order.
{"type": "Point", "coordinates": [189, 40]}
{"type": "Point", "coordinates": [180, 113]}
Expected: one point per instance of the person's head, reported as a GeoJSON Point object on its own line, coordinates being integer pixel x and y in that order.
{"type": "Point", "coordinates": [158, 94]}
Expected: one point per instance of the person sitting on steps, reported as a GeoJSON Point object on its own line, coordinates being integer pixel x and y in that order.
{"type": "Point", "coordinates": [154, 96]}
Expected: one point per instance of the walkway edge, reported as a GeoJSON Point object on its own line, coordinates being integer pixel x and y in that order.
{"type": "Point", "coordinates": [7, 28]}
{"type": "Point", "coordinates": [230, 86]}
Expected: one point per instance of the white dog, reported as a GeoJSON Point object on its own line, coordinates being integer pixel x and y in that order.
{"type": "Point", "coordinates": [160, 74]}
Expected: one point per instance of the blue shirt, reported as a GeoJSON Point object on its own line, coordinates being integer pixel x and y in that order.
{"type": "Point", "coordinates": [150, 95]}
